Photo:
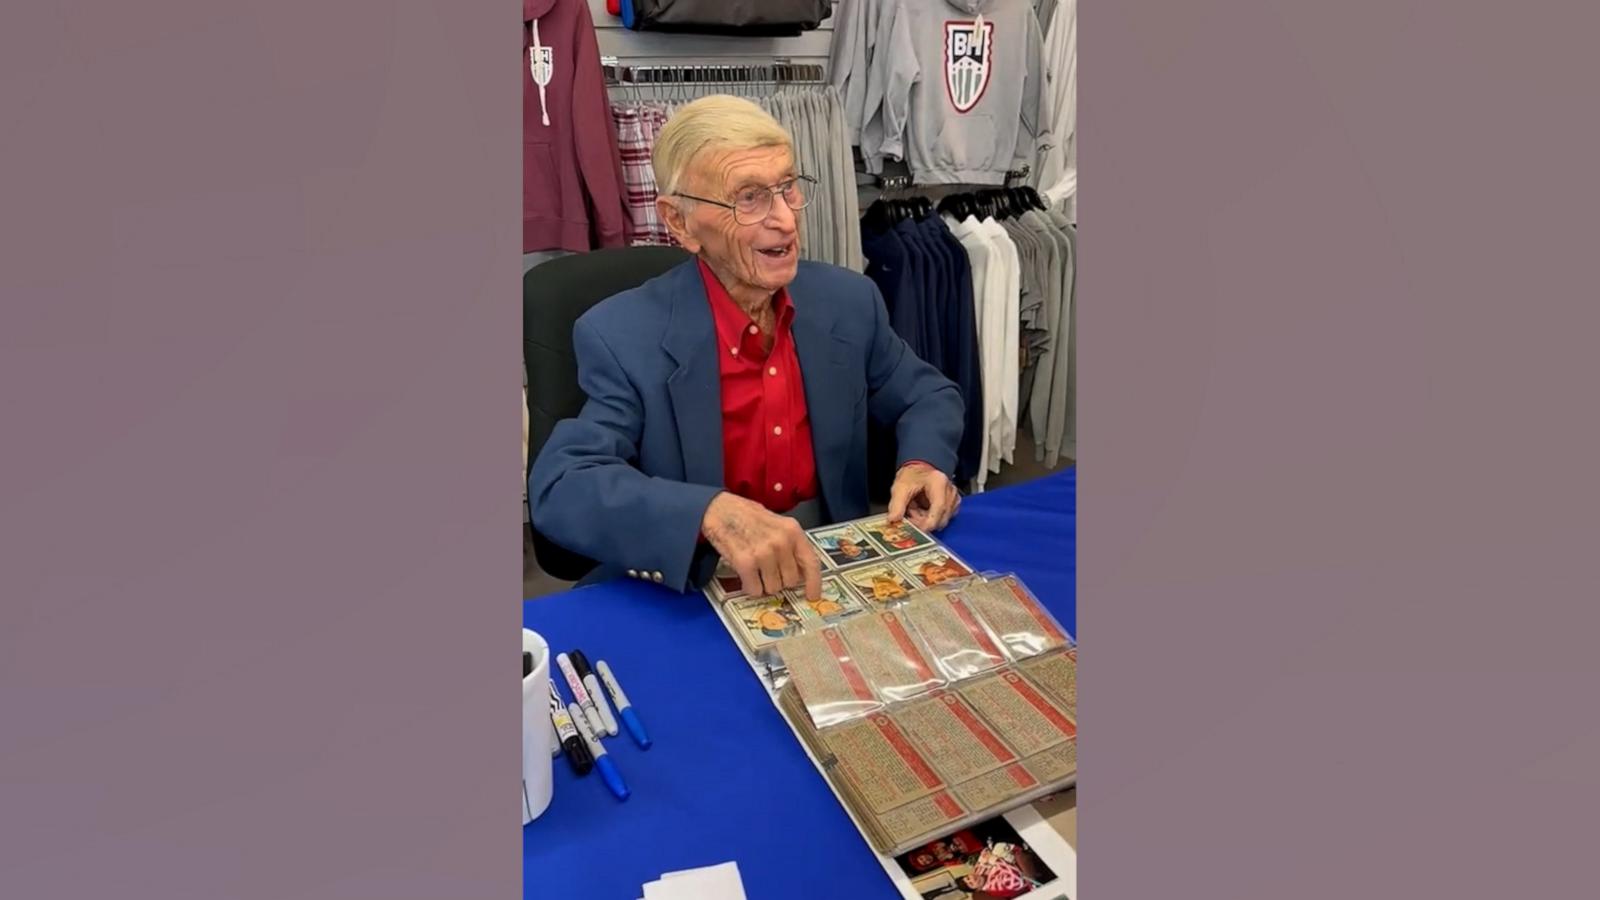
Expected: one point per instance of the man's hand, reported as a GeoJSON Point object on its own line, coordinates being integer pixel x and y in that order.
{"type": "Point", "coordinates": [770, 552]}
{"type": "Point", "coordinates": [924, 495]}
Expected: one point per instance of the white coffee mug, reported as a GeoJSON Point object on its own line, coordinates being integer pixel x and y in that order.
{"type": "Point", "coordinates": [536, 729]}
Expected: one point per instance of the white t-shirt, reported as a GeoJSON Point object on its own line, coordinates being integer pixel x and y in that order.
{"type": "Point", "coordinates": [1058, 167]}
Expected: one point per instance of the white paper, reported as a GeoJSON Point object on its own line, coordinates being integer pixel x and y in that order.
{"type": "Point", "coordinates": [1053, 851]}
{"type": "Point", "coordinates": [719, 882]}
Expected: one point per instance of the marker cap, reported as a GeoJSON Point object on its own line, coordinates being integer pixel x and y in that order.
{"type": "Point", "coordinates": [613, 778]}
{"type": "Point", "coordinates": [630, 721]}
{"type": "Point", "coordinates": [580, 663]}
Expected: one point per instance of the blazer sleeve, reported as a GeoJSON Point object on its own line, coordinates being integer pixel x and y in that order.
{"type": "Point", "coordinates": [922, 405]}
{"type": "Point", "coordinates": [585, 493]}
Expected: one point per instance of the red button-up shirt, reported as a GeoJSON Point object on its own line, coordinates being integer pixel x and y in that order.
{"type": "Point", "coordinates": [766, 433]}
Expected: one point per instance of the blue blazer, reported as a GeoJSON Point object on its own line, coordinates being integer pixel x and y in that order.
{"type": "Point", "coordinates": [628, 481]}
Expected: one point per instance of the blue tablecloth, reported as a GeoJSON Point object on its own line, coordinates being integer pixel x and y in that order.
{"type": "Point", "coordinates": [726, 778]}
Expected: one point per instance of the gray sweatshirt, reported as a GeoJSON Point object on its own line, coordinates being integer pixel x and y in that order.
{"type": "Point", "coordinates": [960, 107]}
{"type": "Point", "coordinates": [861, 29]}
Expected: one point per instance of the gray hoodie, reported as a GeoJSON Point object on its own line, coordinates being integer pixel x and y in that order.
{"type": "Point", "coordinates": [959, 107]}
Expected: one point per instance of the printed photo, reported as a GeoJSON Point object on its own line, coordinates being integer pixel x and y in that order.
{"type": "Point", "coordinates": [895, 538]}
{"type": "Point", "coordinates": [838, 602]}
{"type": "Point", "coordinates": [845, 545]}
{"type": "Point", "coordinates": [933, 566]}
{"type": "Point", "coordinates": [763, 620]}
{"type": "Point", "coordinates": [882, 582]}
{"type": "Point", "coordinates": [988, 860]}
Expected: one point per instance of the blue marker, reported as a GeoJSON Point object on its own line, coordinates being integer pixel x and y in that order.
{"type": "Point", "coordinates": [602, 762]}
{"type": "Point", "coordinates": [630, 719]}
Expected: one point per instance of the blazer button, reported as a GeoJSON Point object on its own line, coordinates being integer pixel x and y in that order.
{"type": "Point", "coordinates": [633, 573]}
{"type": "Point", "coordinates": [656, 577]}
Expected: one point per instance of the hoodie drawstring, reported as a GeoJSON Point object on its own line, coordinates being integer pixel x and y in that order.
{"type": "Point", "coordinates": [537, 62]}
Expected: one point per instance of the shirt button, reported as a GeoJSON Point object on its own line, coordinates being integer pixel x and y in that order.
{"type": "Point", "coordinates": [754, 329]}
{"type": "Point", "coordinates": [633, 573]}
{"type": "Point", "coordinates": [778, 487]}
{"type": "Point", "coordinates": [777, 429]}
{"type": "Point", "coordinates": [772, 370]}
{"type": "Point", "coordinates": [656, 577]}
{"type": "Point", "coordinates": [734, 350]}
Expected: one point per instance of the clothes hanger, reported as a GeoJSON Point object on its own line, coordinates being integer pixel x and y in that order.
{"type": "Point", "coordinates": [969, 204]}
{"type": "Point", "coordinates": [1003, 197]}
{"type": "Point", "coordinates": [876, 218]}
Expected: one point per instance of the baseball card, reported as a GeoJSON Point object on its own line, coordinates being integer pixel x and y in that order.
{"type": "Point", "coordinates": [932, 566]}
{"type": "Point", "coordinates": [762, 620]}
{"type": "Point", "coordinates": [880, 583]}
{"type": "Point", "coordinates": [897, 538]}
{"type": "Point", "coordinates": [844, 545]}
{"type": "Point", "coordinates": [837, 602]}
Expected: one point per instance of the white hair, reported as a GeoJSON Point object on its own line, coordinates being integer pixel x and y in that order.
{"type": "Point", "coordinates": [717, 122]}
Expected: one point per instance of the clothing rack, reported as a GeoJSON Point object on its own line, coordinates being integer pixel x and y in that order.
{"type": "Point", "coordinates": [776, 71]}
{"type": "Point", "coordinates": [899, 182]}
{"type": "Point", "coordinates": [999, 202]}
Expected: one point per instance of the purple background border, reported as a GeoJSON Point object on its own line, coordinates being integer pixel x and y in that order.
{"type": "Point", "coordinates": [258, 367]}
{"type": "Point", "coordinates": [1338, 443]}
{"type": "Point", "coordinates": [258, 536]}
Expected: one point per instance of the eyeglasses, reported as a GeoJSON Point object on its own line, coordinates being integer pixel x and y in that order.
{"type": "Point", "coordinates": [752, 204]}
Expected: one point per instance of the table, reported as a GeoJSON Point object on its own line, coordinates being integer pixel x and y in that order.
{"type": "Point", "coordinates": [726, 778]}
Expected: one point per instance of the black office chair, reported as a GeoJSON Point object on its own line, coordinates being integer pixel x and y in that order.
{"type": "Point", "coordinates": [554, 294]}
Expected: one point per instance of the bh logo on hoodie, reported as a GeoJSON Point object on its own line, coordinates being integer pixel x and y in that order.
{"type": "Point", "coordinates": [543, 63]}
{"type": "Point", "coordinates": [968, 47]}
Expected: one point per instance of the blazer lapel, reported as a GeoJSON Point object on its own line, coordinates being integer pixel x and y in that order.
{"type": "Point", "coordinates": [824, 368]}
{"type": "Point", "coordinates": [695, 387]}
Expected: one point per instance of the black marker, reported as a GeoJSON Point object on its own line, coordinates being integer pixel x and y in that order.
{"type": "Point", "coordinates": [571, 742]}
{"type": "Point", "coordinates": [580, 664]}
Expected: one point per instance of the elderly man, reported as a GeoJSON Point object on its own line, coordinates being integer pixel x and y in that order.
{"type": "Point", "coordinates": [736, 388]}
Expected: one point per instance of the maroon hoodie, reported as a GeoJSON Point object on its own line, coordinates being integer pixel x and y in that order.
{"type": "Point", "coordinates": [572, 196]}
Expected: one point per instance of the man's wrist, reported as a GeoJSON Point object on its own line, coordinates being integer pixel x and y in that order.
{"type": "Point", "coordinates": [921, 463]}
{"type": "Point", "coordinates": [707, 524]}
